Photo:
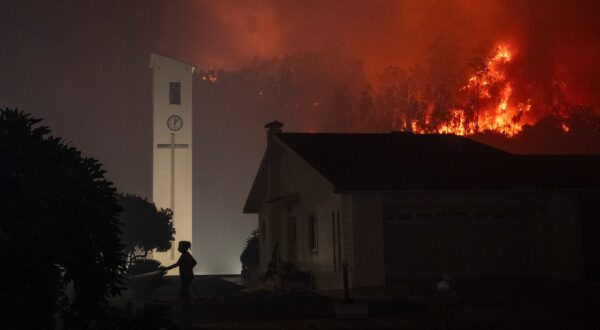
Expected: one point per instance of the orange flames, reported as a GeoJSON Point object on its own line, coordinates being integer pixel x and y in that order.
{"type": "Point", "coordinates": [491, 103]}
{"type": "Point", "coordinates": [209, 76]}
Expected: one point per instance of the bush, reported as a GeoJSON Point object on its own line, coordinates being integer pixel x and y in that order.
{"type": "Point", "coordinates": [141, 266]}
{"type": "Point", "coordinates": [144, 227]}
{"type": "Point", "coordinates": [249, 257]}
{"type": "Point", "coordinates": [59, 226]}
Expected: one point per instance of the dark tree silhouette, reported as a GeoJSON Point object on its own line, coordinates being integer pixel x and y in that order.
{"type": "Point", "coordinates": [58, 227]}
{"type": "Point", "coordinates": [249, 256]}
{"type": "Point", "coordinates": [341, 110]}
{"type": "Point", "coordinates": [144, 226]}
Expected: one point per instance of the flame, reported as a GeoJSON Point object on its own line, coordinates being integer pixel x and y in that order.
{"type": "Point", "coordinates": [505, 117]}
{"type": "Point", "coordinates": [493, 105]}
{"type": "Point", "coordinates": [503, 54]}
{"type": "Point", "coordinates": [458, 124]}
{"type": "Point", "coordinates": [210, 78]}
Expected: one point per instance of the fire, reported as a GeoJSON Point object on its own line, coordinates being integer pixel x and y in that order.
{"type": "Point", "coordinates": [458, 124]}
{"type": "Point", "coordinates": [209, 78]}
{"type": "Point", "coordinates": [498, 114]}
{"type": "Point", "coordinates": [502, 55]}
{"type": "Point", "coordinates": [490, 105]}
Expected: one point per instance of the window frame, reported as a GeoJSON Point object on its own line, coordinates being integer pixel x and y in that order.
{"type": "Point", "coordinates": [313, 233]}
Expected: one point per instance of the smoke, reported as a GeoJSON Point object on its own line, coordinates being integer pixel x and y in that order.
{"type": "Point", "coordinates": [229, 34]}
{"type": "Point", "coordinates": [327, 65]}
{"type": "Point", "coordinates": [556, 45]}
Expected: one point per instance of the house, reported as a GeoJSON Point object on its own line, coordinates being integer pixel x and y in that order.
{"type": "Point", "coordinates": [400, 205]}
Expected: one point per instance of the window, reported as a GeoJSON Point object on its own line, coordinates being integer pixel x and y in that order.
{"type": "Point", "coordinates": [175, 92]}
{"type": "Point", "coordinates": [312, 233]}
{"type": "Point", "coordinates": [333, 241]}
{"type": "Point", "coordinates": [339, 240]}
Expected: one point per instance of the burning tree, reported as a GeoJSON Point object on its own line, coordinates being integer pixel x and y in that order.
{"type": "Point", "coordinates": [490, 100]}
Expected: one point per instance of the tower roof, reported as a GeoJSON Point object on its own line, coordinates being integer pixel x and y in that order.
{"type": "Point", "coordinates": [156, 60]}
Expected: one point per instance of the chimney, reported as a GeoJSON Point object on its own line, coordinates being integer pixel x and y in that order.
{"type": "Point", "coordinates": [273, 127]}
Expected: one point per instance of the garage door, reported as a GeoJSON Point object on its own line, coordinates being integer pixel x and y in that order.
{"type": "Point", "coordinates": [590, 230]}
{"type": "Point", "coordinates": [462, 244]}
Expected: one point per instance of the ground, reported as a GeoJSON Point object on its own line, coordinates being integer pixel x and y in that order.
{"type": "Point", "coordinates": [474, 304]}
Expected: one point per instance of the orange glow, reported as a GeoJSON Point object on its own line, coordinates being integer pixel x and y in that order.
{"type": "Point", "coordinates": [493, 107]}
{"type": "Point", "coordinates": [210, 77]}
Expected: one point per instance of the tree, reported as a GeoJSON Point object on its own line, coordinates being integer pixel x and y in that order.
{"type": "Point", "coordinates": [144, 226]}
{"type": "Point", "coordinates": [249, 257]}
{"type": "Point", "coordinates": [58, 226]}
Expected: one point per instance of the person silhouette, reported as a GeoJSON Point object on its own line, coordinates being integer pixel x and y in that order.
{"type": "Point", "coordinates": [186, 265]}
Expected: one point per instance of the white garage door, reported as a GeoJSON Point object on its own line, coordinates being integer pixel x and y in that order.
{"type": "Point", "coordinates": [462, 244]}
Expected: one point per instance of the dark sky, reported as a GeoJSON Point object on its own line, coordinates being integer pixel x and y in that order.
{"type": "Point", "coordinates": [82, 66]}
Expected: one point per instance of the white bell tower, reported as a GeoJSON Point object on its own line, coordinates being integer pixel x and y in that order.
{"type": "Point", "coordinates": [172, 147]}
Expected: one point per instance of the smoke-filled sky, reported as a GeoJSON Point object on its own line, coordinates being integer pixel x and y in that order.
{"type": "Point", "coordinates": [554, 39]}
{"type": "Point", "coordinates": [83, 67]}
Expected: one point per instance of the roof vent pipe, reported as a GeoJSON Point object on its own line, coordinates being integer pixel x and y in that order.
{"type": "Point", "coordinates": [273, 127]}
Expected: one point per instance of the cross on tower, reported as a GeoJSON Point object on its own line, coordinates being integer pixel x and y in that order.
{"type": "Point", "coordinates": [172, 146]}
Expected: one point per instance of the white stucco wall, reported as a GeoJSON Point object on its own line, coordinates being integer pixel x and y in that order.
{"type": "Point", "coordinates": [297, 191]}
{"type": "Point", "coordinates": [367, 243]}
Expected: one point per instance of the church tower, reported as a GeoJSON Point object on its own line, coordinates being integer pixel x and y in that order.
{"type": "Point", "coordinates": [172, 147]}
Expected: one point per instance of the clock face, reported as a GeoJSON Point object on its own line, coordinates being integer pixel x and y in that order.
{"type": "Point", "coordinates": [174, 123]}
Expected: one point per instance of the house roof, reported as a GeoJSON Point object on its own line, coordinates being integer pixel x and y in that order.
{"type": "Point", "coordinates": [404, 161]}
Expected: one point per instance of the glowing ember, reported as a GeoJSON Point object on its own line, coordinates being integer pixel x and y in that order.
{"type": "Point", "coordinates": [210, 77]}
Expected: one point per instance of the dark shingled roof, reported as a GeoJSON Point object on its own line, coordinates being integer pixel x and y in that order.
{"type": "Point", "coordinates": [404, 161]}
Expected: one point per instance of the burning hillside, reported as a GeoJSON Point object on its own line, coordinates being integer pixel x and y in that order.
{"type": "Point", "coordinates": [487, 101]}
{"type": "Point", "coordinates": [490, 97]}
{"type": "Point", "coordinates": [476, 68]}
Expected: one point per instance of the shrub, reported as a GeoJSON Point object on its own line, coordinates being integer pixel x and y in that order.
{"type": "Point", "coordinates": [249, 257]}
{"type": "Point", "coordinates": [141, 266]}
{"type": "Point", "coordinates": [59, 226]}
